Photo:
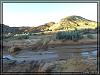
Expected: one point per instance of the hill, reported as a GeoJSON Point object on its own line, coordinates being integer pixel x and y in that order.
{"type": "Point", "coordinates": [7, 29]}
{"type": "Point", "coordinates": [72, 23]}
{"type": "Point", "coordinates": [44, 27]}
{"type": "Point", "coordinates": [68, 23]}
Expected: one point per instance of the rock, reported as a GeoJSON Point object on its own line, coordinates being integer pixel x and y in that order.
{"type": "Point", "coordinates": [8, 61]}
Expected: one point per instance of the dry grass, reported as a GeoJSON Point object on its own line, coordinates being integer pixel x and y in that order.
{"type": "Point", "coordinates": [47, 41]}
{"type": "Point", "coordinates": [42, 44]}
{"type": "Point", "coordinates": [75, 65]}
{"type": "Point", "coordinates": [14, 50]}
{"type": "Point", "coordinates": [70, 42]}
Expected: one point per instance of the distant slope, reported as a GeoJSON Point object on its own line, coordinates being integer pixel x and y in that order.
{"type": "Point", "coordinates": [7, 29]}
{"type": "Point", "coordinates": [44, 27]}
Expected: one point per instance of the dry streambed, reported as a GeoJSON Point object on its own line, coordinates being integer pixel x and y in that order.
{"type": "Point", "coordinates": [47, 61]}
{"type": "Point", "coordinates": [70, 65]}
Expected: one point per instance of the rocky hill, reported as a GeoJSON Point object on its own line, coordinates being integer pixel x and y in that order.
{"type": "Point", "coordinates": [73, 22]}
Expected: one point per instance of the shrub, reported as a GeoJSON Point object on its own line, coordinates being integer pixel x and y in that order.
{"type": "Point", "coordinates": [30, 34]}
{"type": "Point", "coordinates": [60, 35]}
{"type": "Point", "coordinates": [90, 36]}
{"type": "Point", "coordinates": [7, 36]}
{"type": "Point", "coordinates": [42, 33]}
{"type": "Point", "coordinates": [14, 50]}
{"type": "Point", "coordinates": [22, 37]}
{"type": "Point", "coordinates": [42, 44]}
{"type": "Point", "coordinates": [69, 35]}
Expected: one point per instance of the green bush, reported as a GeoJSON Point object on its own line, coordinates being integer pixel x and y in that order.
{"type": "Point", "coordinates": [61, 35]}
{"type": "Point", "coordinates": [90, 36]}
{"type": "Point", "coordinates": [42, 33]}
{"type": "Point", "coordinates": [7, 36]}
{"type": "Point", "coordinates": [69, 35]}
{"type": "Point", "coordinates": [22, 37]}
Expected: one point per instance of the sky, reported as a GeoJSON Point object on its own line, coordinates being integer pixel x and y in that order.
{"type": "Point", "coordinates": [35, 14]}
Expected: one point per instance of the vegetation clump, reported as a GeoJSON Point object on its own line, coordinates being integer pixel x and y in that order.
{"type": "Point", "coordinates": [75, 65]}
{"type": "Point", "coordinates": [69, 35]}
{"type": "Point", "coordinates": [90, 36]}
{"type": "Point", "coordinates": [42, 44]}
{"type": "Point", "coordinates": [14, 50]}
{"type": "Point", "coordinates": [22, 37]}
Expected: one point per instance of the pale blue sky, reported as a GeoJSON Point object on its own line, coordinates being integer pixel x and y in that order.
{"type": "Point", "coordinates": [34, 14]}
